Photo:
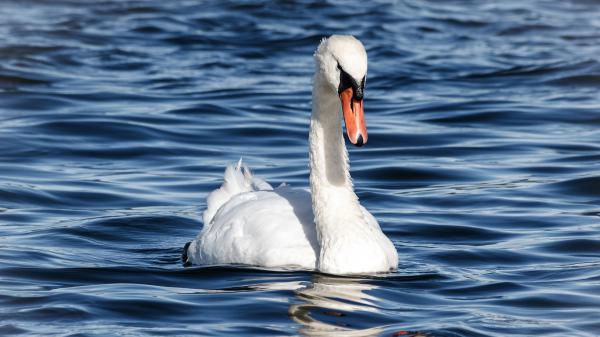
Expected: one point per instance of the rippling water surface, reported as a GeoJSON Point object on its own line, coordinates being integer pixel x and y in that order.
{"type": "Point", "coordinates": [483, 165]}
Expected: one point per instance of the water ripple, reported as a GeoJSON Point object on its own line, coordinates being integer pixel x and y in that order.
{"type": "Point", "coordinates": [118, 118]}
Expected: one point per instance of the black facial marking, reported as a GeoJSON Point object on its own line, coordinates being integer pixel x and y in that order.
{"type": "Point", "coordinates": [347, 81]}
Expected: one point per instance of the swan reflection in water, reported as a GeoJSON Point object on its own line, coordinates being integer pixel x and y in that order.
{"type": "Point", "coordinates": [329, 303]}
{"type": "Point", "coordinates": [341, 306]}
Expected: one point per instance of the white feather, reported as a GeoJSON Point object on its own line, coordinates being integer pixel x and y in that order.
{"type": "Point", "coordinates": [238, 179]}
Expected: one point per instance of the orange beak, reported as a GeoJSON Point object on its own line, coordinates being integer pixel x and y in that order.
{"type": "Point", "coordinates": [354, 117]}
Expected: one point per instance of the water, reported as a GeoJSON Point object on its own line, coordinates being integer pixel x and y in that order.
{"type": "Point", "coordinates": [483, 165]}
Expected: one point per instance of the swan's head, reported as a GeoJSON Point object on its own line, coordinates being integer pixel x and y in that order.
{"type": "Point", "coordinates": [342, 61]}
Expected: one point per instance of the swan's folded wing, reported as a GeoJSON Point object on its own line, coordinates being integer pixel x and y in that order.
{"type": "Point", "coordinates": [266, 228]}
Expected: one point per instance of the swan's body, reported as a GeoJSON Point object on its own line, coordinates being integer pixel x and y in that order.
{"type": "Point", "coordinates": [326, 229]}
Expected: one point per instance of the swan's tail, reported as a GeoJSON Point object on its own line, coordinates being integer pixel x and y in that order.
{"type": "Point", "coordinates": [238, 179]}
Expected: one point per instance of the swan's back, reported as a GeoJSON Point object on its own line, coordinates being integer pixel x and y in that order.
{"type": "Point", "coordinates": [268, 227]}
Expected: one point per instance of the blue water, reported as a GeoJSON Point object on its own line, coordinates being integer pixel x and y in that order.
{"type": "Point", "coordinates": [483, 165]}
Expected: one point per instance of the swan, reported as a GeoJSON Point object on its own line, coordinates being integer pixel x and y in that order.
{"type": "Point", "coordinates": [249, 222]}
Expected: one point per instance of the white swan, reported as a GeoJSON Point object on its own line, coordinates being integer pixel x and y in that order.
{"type": "Point", "coordinates": [249, 222]}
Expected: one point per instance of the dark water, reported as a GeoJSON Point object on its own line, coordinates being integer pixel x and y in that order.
{"type": "Point", "coordinates": [483, 165]}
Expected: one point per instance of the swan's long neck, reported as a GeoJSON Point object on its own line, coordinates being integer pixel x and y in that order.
{"type": "Point", "coordinates": [335, 205]}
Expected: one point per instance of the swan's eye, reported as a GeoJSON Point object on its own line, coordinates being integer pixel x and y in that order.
{"type": "Point", "coordinates": [347, 81]}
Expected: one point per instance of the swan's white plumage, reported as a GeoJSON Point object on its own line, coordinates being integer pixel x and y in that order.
{"type": "Point", "coordinates": [249, 222]}
{"type": "Point", "coordinates": [237, 180]}
{"type": "Point", "coordinates": [262, 226]}
{"type": "Point", "coordinates": [257, 225]}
